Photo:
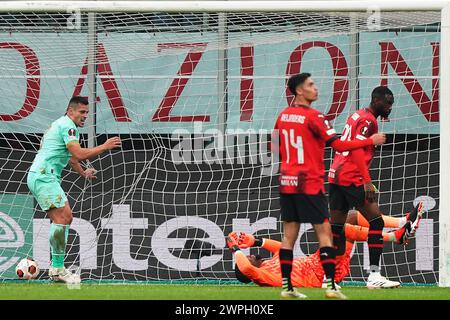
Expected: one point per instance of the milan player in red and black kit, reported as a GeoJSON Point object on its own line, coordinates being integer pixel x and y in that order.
{"type": "Point", "coordinates": [303, 134]}
{"type": "Point", "coordinates": [351, 185]}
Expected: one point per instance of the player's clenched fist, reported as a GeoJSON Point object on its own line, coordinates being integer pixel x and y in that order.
{"type": "Point", "coordinates": [246, 240]}
{"type": "Point", "coordinates": [112, 143]}
{"type": "Point", "coordinates": [378, 138]}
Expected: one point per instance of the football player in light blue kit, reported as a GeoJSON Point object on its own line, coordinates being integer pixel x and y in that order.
{"type": "Point", "coordinates": [59, 146]}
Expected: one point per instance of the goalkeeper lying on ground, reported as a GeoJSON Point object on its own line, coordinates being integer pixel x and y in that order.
{"type": "Point", "coordinates": [307, 271]}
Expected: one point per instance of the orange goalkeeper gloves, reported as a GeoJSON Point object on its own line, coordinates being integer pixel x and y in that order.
{"type": "Point", "coordinates": [246, 240]}
{"type": "Point", "coordinates": [243, 241]}
{"type": "Point", "coordinates": [232, 241]}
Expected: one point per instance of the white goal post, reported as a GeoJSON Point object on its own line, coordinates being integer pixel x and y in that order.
{"type": "Point", "coordinates": [382, 6]}
{"type": "Point", "coordinates": [444, 230]}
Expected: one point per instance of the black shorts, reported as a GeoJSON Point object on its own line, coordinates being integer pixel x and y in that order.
{"type": "Point", "coordinates": [304, 208]}
{"type": "Point", "coordinates": [344, 198]}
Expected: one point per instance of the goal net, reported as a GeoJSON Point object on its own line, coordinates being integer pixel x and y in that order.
{"type": "Point", "coordinates": [194, 97]}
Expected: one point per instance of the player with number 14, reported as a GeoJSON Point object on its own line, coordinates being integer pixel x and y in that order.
{"type": "Point", "coordinates": [303, 134]}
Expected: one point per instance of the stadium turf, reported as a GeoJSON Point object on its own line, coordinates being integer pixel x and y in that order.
{"type": "Point", "coordinates": [52, 291]}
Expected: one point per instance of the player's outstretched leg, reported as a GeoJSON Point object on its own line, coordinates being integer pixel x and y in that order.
{"type": "Point", "coordinates": [59, 233]}
{"type": "Point", "coordinates": [415, 216]}
{"type": "Point", "coordinates": [402, 235]}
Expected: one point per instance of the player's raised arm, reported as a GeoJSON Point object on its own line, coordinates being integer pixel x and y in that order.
{"type": "Point", "coordinates": [341, 146]}
{"type": "Point", "coordinates": [242, 262]}
{"type": "Point", "coordinates": [247, 241]}
{"type": "Point", "coordinates": [80, 153]}
{"type": "Point", "coordinates": [322, 128]}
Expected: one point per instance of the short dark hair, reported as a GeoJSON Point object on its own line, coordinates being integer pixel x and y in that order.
{"type": "Point", "coordinates": [240, 276]}
{"type": "Point", "coordinates": [381, 93]}
{"type": "Point", "coordinates": [296, 80]}
{"type": "Point", "coordinates": [77, 100]}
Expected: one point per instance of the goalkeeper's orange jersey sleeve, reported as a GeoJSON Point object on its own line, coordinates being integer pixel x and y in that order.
{"type": "Point", "coordinates": [271, 245]}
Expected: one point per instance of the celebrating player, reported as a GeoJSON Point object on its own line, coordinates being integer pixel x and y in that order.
{"type": "Point", "coordinates": [60, 145]}
{"type": "Point", "coordinates": [307, 271]}
{"type": "Point", "coordinates": [351, 186]}
{"type": "Point", "coordinates": [303, 134]}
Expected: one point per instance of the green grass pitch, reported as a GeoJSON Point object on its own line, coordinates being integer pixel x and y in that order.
{"type": "Point", "coordinates": [56, 291]}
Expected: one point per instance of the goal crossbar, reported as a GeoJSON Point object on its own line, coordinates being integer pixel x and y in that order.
{"type": "Point", "coordinates": [219, 6]}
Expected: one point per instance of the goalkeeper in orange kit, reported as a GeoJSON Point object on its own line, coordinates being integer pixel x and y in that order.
{"type": "Point", "coordinates": [308, 271]}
